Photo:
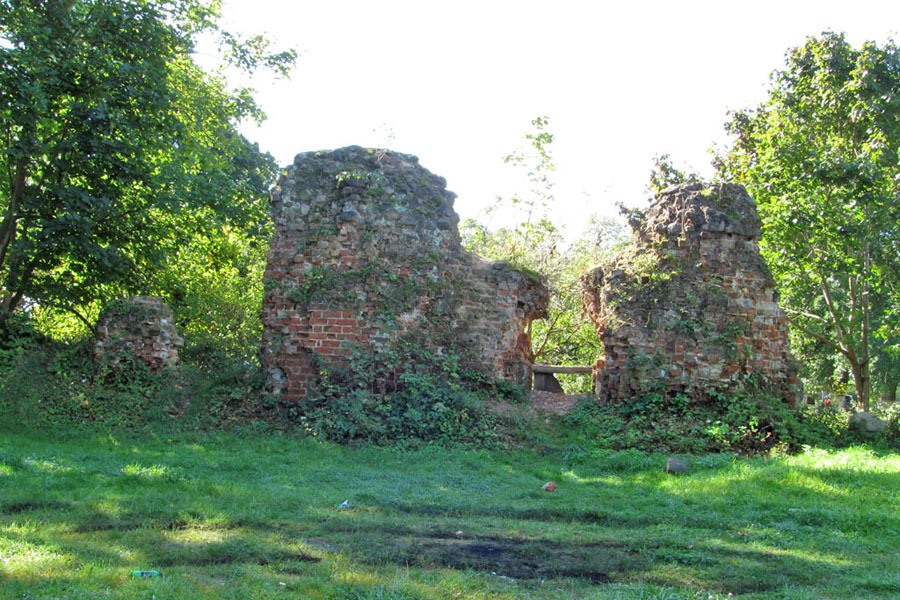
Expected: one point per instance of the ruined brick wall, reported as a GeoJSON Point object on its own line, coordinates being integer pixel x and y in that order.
{"type": "Point", "coordinates": [142, 327]}
{"type": "Point", "coordinates": [366, 252]}
{"type": "Point", "coordinates": [690, 307]}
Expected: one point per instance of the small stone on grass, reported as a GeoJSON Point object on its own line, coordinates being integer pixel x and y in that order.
{"type": "Point", "coordinates": [676, 465]}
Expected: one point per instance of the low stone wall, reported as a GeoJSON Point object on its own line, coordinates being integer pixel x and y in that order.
{"type": "Point", "coordinates": [366, 252]}
{"type": "Point", "coordinates": [691, 307]}
{"type": "Point", "coordinates": [142, 328]}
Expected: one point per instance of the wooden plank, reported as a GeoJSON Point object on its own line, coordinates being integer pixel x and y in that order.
{"type": "Point", "coordinates": [539, 368]}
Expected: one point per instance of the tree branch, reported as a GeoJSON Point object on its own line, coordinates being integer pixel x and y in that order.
{"type": "Point", "coordinates": [92, 328]}
{"type": "Point", "coordinates": [817, 336]}
{"type": "Point", "coordinates": [844, 347]}
{"type": "Point", "coordinates": [803, 313]}
{"type": "Point", "coordinates": [546, 339]}
{"type": "Point", "coordinates": [8, 228]}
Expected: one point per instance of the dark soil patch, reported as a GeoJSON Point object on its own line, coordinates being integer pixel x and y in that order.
{"type": "Point", "coordinates": [593, 517]}
{"type": "Point", "coordinates": [288, 569]}
{"type": "Point", "coordinates": [508, 557]}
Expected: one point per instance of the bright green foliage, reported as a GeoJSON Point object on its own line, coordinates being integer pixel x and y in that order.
{"type": "Point", "coordinates": [401, 396]}
{"type": "Point", "coordinates": [568, 336]}
{"type": "Point", "coordinates": [214, 284]}
{"type": "Point", "coordinates": [48, 383]}
{"type": "Point", "coordinates": [820, 156]}
{"type": "Point", "coordinates": [119, 151]}
{"type": "Point", "coordinates": [664, 173]}
{"type": "Point", "coordinates": [747, 423]}
{"type": "Point", "coordinates": [533, 242]}
{"type": "Point", "coordinates": [537, 245]}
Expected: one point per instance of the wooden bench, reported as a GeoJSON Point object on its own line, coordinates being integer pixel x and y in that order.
{"type": "Point", "coordinates": [545, 376]}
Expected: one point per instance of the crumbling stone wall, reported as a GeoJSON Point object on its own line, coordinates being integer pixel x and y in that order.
{"type": "Point", "coordinates": [690, 308]}
{"type": "Point", "coordinates": [366, 252]}
{"type": "Point", "coordinates": [142, 327]}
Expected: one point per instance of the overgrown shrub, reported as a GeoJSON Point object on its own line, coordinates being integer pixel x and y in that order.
{"type": "Point", "coordinates": [403, 395]}
{"type": "Point", "coordinates": [828, 426]}
{"type": "Point", "coordinates": [891, 415]}
{"type": "Point", "coordinates": [46, 383]}
{"type": "Point", "coordinates": [748, 422]}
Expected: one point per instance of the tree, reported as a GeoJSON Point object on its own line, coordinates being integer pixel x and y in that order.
{"type": "Point", "coordinates": [534, 243]}
{"type": "Point", "coordinates": [117, 147]}
{"type": "Point", "coordinates": [820, 156]}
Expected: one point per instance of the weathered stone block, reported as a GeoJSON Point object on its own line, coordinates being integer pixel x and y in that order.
{"type": "Point", "coordinates": [676, 466]}
{"type": "Point", "coordinates": [547, 382]}
{"type": "Point", "coordinates": [867, 423]}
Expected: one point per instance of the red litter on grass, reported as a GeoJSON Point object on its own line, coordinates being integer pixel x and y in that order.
{"type": "Point", "coordinates": [549, 486]}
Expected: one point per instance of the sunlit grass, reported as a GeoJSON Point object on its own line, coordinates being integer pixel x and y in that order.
{"type": "Point", "coordinates": [237, 517]}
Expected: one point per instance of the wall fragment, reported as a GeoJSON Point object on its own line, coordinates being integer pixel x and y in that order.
{"type": "Point", "coordinates": [366, 253]}
{"type": "Point", "coordinates": [140, 328]}
{"type": "Point", "coordinates": [691, 308]}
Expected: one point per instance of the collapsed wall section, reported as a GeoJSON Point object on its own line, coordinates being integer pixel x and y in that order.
{"type": "Point", "coordinates": [141, 328]}
{"type": "Point", "coordinates": [366, 253]}
{"type": "Point", "coordinates": [690, 307]}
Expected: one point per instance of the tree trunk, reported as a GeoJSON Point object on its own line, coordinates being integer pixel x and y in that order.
{"type": "Point", "coordinates": [15, 286]}
{"type": "Point", "coordinates": [863, 381]}
{"type": "Point", "coordinates": [865, 363]}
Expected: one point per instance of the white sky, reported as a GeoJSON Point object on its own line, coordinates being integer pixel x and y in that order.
{"type": "Point", "coordinates": [457, 83]}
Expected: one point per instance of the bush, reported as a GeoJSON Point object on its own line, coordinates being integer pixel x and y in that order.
{"type": "Point", "coordinates": [402, 395]}
{"type": "Point", "coordinates": [891, 415]}
{"type": "Point", "coordinates": [828, 426]}
{"type": "Point", "coordinates": [747, 422]}
{"type": "Point", "coordinates": [58, 385]}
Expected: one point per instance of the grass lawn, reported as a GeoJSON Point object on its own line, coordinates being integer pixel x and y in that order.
{"type": "Point", "coordinates": [259, 517]}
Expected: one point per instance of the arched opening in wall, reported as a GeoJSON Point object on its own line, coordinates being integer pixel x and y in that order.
{"type": "Point", "coordinates": [565, 344]}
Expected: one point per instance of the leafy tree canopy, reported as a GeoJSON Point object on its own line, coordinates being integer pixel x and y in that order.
{"type": "Point", "coordinates": [820, 156]}
{"type": "Point", "coordinates": [117, 148]}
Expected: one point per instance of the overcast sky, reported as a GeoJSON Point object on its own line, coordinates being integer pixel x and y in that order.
{"type": "Point", "coordinates": [457, 83]}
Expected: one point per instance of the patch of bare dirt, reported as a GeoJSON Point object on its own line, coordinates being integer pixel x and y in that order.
{"type": "Point", "coordinates": [556, 404]}
{"type": "Point", "coordinates": [513, 558]}
{"type": "Point", "coordinates": [539, 404]}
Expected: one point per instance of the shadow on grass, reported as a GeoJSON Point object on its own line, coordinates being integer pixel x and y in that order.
{"type": "Point", "coordinates": [14, 508]}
